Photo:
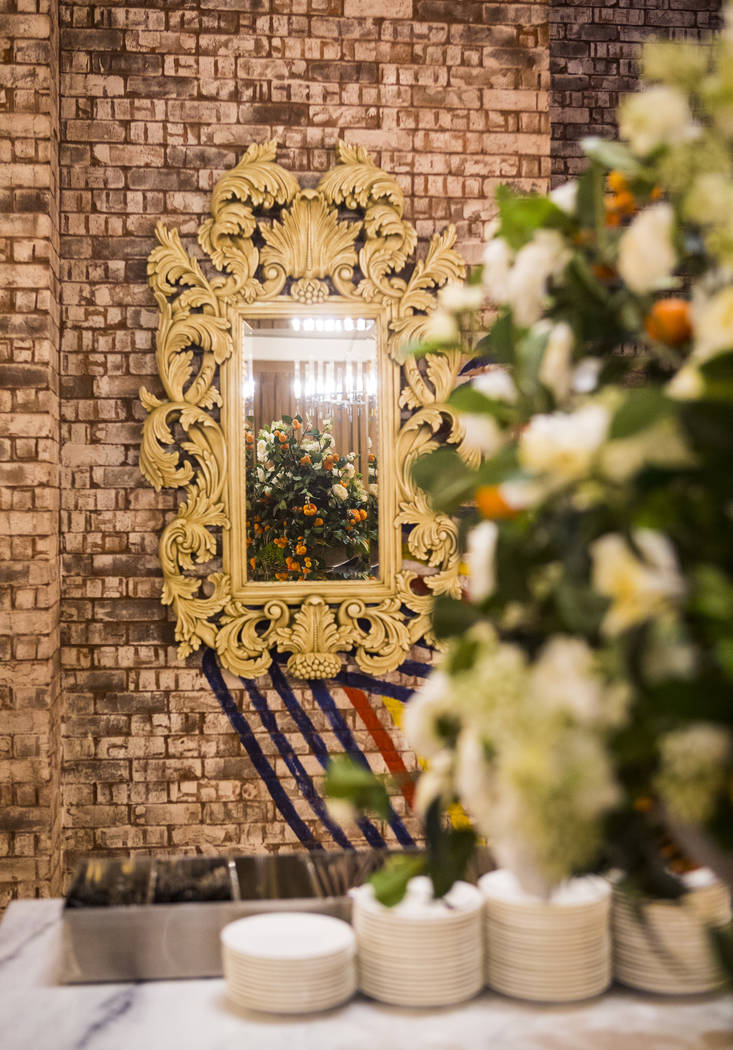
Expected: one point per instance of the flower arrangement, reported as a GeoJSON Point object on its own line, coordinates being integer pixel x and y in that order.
{"type": "Point", "coordinates": [305, 502]}
{"type": "Point", "coordinates": [584, 700]}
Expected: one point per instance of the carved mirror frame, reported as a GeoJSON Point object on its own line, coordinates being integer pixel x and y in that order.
{"type": "Point", "coordinates": [275, 247]}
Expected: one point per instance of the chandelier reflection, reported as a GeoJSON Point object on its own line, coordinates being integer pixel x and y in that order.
{"type": "Point", "coordinates": [332, 365]}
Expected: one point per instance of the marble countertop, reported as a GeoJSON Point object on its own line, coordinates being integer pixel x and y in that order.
{"type": "Point", "coordinates": [37, 1012]}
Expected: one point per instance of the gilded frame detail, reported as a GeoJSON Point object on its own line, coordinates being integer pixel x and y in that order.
{"type": "Point", "coordinates": [276, 247]}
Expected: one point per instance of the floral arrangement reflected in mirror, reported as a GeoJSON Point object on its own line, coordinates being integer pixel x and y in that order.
{"type": "Point", "coordinates": [309, 511]}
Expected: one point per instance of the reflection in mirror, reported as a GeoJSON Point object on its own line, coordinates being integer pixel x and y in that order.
{"type": "Point", "coordinates": [310, 393]}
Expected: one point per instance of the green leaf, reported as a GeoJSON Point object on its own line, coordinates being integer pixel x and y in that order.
{"type": "Point", "coordinates": [467, 398]}
{"type": "Point", "coordinates": [640, 409]}
{"type": "Point", "coordinates": [719, 367]}
{"type": "Point", "coordinates": [712, 594]}
{"type": "Point", "coordinates": [462, 653]}
{"type": "Point", "coordinates": [530, 351]}
{"type": "Point", "coordinates": [521, 216]}
{"type": "Point", "coordinates": [349, 780]}
{"type": "Point", "coordinates": [611, 155]}
{"type": "Point", "coordinates": [710, 424]}
{"type": "Point", "coordinates": [452, 617]}
{"type": "Point", "coordinates": [501, 467]}
{"type": "Point", "coordinates": [589, 205]}
{"type": "Point", "coordinates": [390, 882]}
{"type": "Point", "coordinates": [580, 608]}
{"type": "Point", "coordinates": [498, 343]}
{"type": "Point", "coordinates": [449, 850]}
{"type": "Point", "coordinates": [444, 476]}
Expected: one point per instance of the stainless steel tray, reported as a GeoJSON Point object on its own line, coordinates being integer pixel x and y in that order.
{"type": "Point", "coordinates": [143, 919]}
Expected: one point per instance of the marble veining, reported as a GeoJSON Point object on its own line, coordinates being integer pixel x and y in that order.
{"type": "Point", "coordinates": [37, 1012]}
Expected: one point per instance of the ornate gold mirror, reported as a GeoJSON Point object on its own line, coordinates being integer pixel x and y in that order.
{"type": "Point", "coordinates": [292, 425]}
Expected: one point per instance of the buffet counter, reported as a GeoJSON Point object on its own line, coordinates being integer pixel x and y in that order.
{"type": "Point", "coordinates": [39, 1012]}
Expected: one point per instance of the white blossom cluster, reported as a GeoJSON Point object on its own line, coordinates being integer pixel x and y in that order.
{"type": "Point", "coordinates": [520, 745]}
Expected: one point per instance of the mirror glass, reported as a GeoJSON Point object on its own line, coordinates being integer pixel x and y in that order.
{"type": "Point", "coordinates": [309, 389]}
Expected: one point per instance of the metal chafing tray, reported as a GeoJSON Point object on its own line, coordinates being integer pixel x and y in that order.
{"type": "Point", "coordinates": [144, 918]}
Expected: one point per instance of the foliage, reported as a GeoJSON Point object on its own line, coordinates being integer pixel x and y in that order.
{"type": "Point", "coordinates": [584, 699]}
{"type": "Point", "coordinates": [304, 501]}
{"type": "Point", "coordinates": [599, 550]}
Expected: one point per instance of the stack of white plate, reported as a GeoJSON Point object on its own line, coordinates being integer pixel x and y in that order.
{"type": "Point", "coordinates": [664, 946]}
{"type": "Point", "coordinates": [556, 950]}
{"type": "Point", "coordinates": [422, 952]}
{"type": "Point", "coordinates": [289, 962]}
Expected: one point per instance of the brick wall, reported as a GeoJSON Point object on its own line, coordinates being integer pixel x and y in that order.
{"type": "Point", "coordinates": [158, 100]}
{"type": "Point", "coordinates": [29, 450]}
{"type": "Point", "coordinates": [594, 46]}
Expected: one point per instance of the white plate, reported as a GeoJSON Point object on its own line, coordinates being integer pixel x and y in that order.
{"type": "Point", "coordinates": [418, 905]}
{"type": "Point", "coordinates": [541, 940]}
{"type": "Point", "coordinates": [440, 997]}
{"type": "Point", "coordinates": [292, 1006]}
{"type": "Point", "coordinates": [647, 984]}
{"type": "Point", "coordinates": [405, 953]}
{"type": "Point", "coordinates": [266, 988]}
{"type": "Point", "coordinates": [550, 995]}
{"type": "Point", "coordinates": [576, 894]}
{"type": "Point", "coordinates": [416, 976]}
{"type": "Point", "coordinates": [288, 936]}
{"type": "Point", "coordinates": [287, 971]}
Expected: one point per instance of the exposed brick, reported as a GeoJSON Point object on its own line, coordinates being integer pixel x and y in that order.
{"type": "Point", "coordinates": [594, 47]}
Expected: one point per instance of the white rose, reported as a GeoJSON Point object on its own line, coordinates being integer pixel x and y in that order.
{"type": "Point", "coordinates": [476, 781]}
{"type": "Point", "coordinates": [261, 451]}
{"type": "Point", "coordinates": [261, 474]}
{"type": "Point", "coordinates": [481, 560]}
{"type": "Point", "coordinates": [435, 782]}
{"type": "Point", "coordinates": [585, 376]}
{"type": "Point", "coordinates": [341, 810]}
{"type": "Point", "coordinates": [457, 298]}
{"type": "Point", "coordinates": [710, 198]}
{"type": "Point", "coordinates": [328, 440]}
{"type": "Point", "coordinates": [692, 772]}
{"type": "Point", "coordinates": [566, 196]}
{"type": "Point", "coordinates": [638, 589]}
{"type": "Point", "coordinates": [522, 493]}
{"type": "Point", "coordinates": [555, 371]}
{"type": "Point", "coordinates": [655, 117]}
{"type": "Point", "coordinates": [712, 322]}
{"type": "Point", "coordinates": [442, 327]}
{"type": "Point", "coordinates": [647, 253]}
{"type": "Point", "coordinates": [349, 471]}
{"type": "Point", "coordinates": [545, 256]}
{"type": "Point", "coordinates": [565, 678]}
{"type": "Point", "coordinates": [686, 385]}
{"type": "Point", "coordinates": [497, 260]}
{"type": "Point", "coordinates": [564, 444]}
{"type": "Point", "coordinates": [339, 491]}
{"type": "Point", "coordinates": [425, 711]}
{"type": "Point", "coordinates": [660, 445]}
{"type": "Point", "coordinates": [496, 384]}
{"type": "Point", "coordinates": [481, 433]}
